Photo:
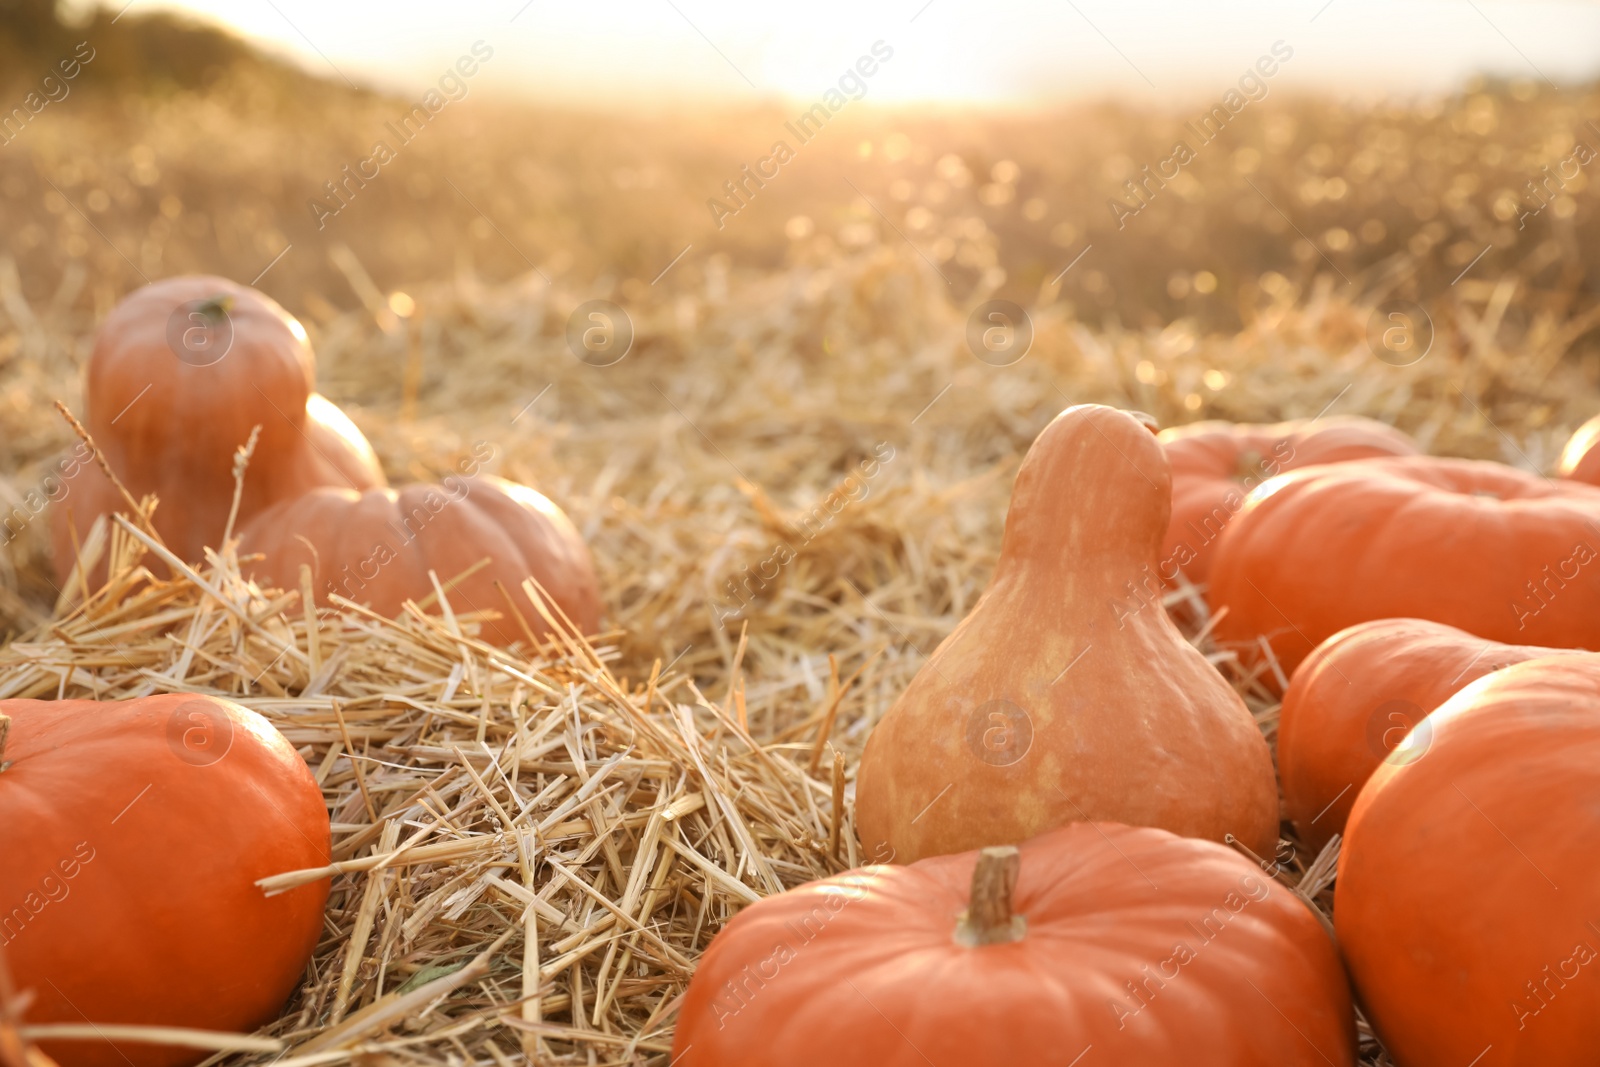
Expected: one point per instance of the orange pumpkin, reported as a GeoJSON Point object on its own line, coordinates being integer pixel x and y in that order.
{"type": "Point", "coordinates": [377, 548]}
{"type": "Point", "coordinates": [133, 833]}
{"type": "Point", "coordinates": [1149, 949]}
{"type": "Point", "coordinates": [181, 371]}
{"type": "Point", "coordinates": [1492, 550]}
{"type": "Point", "coordinates": [1067, 693]}
{"type": "Point", "coordinates": [1467, 900]}
{"type": "Point", "coordinates": [1214, 464]}
{"type": "Point", "coordinates": [1580, 460]}
{"type": "Point", "coordinates": [1355, 699]}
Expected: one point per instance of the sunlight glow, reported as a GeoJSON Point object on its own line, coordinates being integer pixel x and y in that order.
{"type": "Point", "coordinates": [662, 52]}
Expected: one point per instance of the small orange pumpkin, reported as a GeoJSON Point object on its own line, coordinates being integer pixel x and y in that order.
{"type": "Point", "coordinates": [1495, 551]}
{"type": "Point", "coordinates": [1467, 901]}
{"type": "Point", "coordinates": [377, 547]}
{"type": "Point", "coordinates": [1580, 460]}
{"type": "Point", "coordinates": [1215, 463]}
{"type": "Point", "coordinates": [1067, 694]}
{"type": "Point", "coordinates": [133, 833]}
{"type": "Point", "coordinates": [1352, 703]}
{"type": "Point", "coordinates": [1097, 941]}
{"type": "Point", "coordinates": [182, 370]}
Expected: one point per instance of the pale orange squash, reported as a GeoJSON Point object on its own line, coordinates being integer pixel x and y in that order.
{"type": "Point", "coordinates": [1067, 694]}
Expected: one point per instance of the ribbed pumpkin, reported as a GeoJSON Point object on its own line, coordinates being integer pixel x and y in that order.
{"type": "Point", "coordinates": [1492, 550]}
{"type": "Point", "coordinates": [1580, 460]}
{"type": "Point", "coordinates": [1355, 699]}
{"type": "Point", "coordinates": [376, 548]}
{"type": "Point", "coordinates": [1067, 694]}
{"type": "Point", "coordinates": [181, 371]}
{"type": "Point", "coordinates": [1467, 900]}
{"type": "Point", "coordinates": [1215, 463]}
{"type": "Point", "coordinates": [1104, 942]}
{"type": "Point", "coordinates": [133, 833]}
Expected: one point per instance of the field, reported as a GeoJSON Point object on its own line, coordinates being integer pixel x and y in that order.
{"type": "Point", "coordinates": [823, 324]}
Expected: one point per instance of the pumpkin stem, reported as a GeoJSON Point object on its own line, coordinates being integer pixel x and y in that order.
{"type": "Point", "coordinates": [989, 919]}
{"type": "Point", "coordinates": [5, 731]}
{"type": "Point", "coordinates": [1250, 465]}
{"type": "Point", "coordinates": [1148, 420]}
{"type": "Point", "coordinates": [217, 308]}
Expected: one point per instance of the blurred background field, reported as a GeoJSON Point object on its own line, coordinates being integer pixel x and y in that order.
{"type": "Point", "coordinates": [213, 167]}
{"type": "Point", "coordinates": [820, 324]}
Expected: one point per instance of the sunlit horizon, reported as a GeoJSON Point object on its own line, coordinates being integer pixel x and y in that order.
{"type": "Point", "coordinates": [654, 54]}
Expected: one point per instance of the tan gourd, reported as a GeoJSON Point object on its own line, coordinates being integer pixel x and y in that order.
{"type": "Point", "coordinates": [1067, 694]}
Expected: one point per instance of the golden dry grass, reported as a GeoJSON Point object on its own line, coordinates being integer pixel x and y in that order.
{"type": "Point", "coordinates": [108, 184]}
{"type": "Point", "coordinates": [754, 389]}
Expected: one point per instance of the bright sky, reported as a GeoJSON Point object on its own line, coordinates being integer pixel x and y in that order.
{"type": "Point", "coordinates": [655, 53]}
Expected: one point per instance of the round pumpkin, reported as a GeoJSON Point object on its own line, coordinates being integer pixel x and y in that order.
{"type": "Point", "coordinates": [1467, 898]}
{"type": "Point", "coordinates": [1353, 702]}
{"type": "Point", "coordinates": [1580, 460]}
{"type": "Point", "coordinates": [133, 834]}
{"type": "Point", "coordinates": [1215, 463]}
{"type": "Point", "coordinates": [1506, 555]}
{"type": "Point", "coordinates": [377, 547]}
{"type": "Point", "coordinates": [1147, 948]}
{"type": "Point", "coordinates": [181, 372]}
{"type": "Point", "coordinates": [1067, 694]}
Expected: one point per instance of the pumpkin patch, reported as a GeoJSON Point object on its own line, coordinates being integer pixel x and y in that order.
{"type": "Point", "coordinates": [906, 615]}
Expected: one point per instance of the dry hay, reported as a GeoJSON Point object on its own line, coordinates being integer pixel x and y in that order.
{"type": "Point", "coordinates": [528, 848]}
{"type": "Point", "coordinates": [621, 797]}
